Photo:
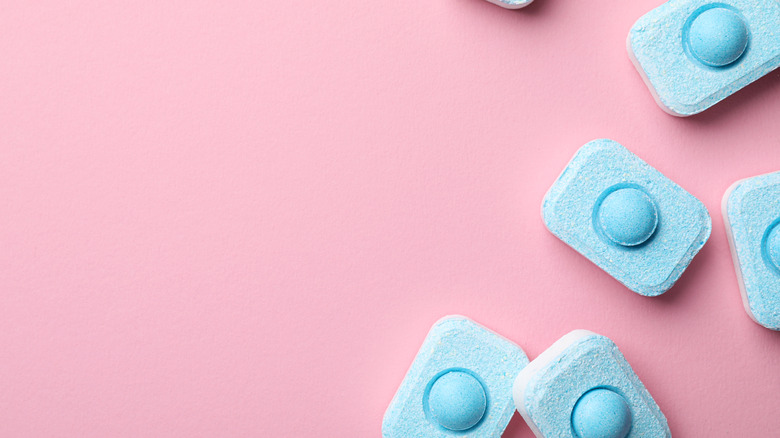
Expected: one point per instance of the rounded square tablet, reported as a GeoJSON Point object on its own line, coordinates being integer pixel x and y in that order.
{"type": "Point", "coordinates": [511, 4]}
{"type": "Point", "coordinates": [751, 213]}
{"type": "Point", "coordinates": [459, 384]}
{"type": "Point", "coordinates": [582, 387]}
{"type": "Point", "coordinates": [626, 217]}
{"type": "Point", "coordinates": [694, 53]}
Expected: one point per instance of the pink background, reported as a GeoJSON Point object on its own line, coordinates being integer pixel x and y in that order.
{"type": "Point", "coordinates": [242, 220]}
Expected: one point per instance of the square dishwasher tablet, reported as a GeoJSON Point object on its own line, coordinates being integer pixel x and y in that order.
{"type": "Point", "coordinates": [582, 387]}
{"type": "Point", "coordinates": [460, 384]}
{"type": "Point", "coordinates": [694, 53]}
{"type": "Point", "coordinates": [626, 217]}
{"type": "Point", "coordinates": [751, 212]}
{"type": "Point", "coordinates": [511, 4]}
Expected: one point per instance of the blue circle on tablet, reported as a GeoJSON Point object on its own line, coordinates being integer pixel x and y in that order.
{"type": "Point", "coordinates": [627, 216]}
{"type": "Point", "coordinates": [601, 413]}
{"type": "Point", "coordinates": [718, 36]}
{"type": "Point", "coordinates": [457, 401]}
{"type": "Point", "coordinates": [771, 246]}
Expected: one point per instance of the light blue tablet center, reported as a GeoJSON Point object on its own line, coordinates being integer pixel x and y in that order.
{"type": "Point", "coordinates": [627, 216]}
{"type": "Point", "coordinates": [457, 401]}
{"type": "Point", "coordinates": [601, 413]}
{"type": "Point", "coordinates": [771, 246]}
{"type": "Point", "coordinates": [718, 36]}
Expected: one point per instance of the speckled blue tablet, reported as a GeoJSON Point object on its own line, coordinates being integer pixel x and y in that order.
{"type": "Point", "coordinates": [512, 4]}
{"type": "Point", "coordinates": [626, 217]}
{"type": "Point", "coordinates": [582, 387]}
{"type": "Point", "coordinates": [694, 53]}
{"type": "Point", "coordinates": [751, 212]}
{"type": "Point", "coordinates": [460, 384]}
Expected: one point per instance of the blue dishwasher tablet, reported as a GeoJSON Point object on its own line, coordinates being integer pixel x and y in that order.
{"type": "Point", "coordinates": [511, 4]}
{"type": "Point", "coordinates": [626, 217]}
{"type": "Point", "coordinates": [460, 384]}
{"type": "Point", "coordinates": [751, 212]}
{"type": "Point", "coordinates": [582, 387]}
{"type": "Point", "coordinates": [694, 53]}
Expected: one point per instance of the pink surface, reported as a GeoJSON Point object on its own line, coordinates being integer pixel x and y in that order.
{"type": "Point", "coordinates": [242, 220]}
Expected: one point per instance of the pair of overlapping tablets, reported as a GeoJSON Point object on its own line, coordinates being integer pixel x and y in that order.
{"type": "Point", "coordinates": [694, 53]}
{"type": "Point", "coordinates": [644, 230]}
{"type": "Point", "coordinates": [467, 381]}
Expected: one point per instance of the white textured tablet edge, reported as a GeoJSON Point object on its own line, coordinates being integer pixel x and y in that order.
{"type": "Point", "coordinates": [733, 247]}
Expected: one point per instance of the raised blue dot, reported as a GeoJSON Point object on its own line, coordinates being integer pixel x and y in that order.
{"type": "Point", "coordinates": [457, 401]}
{"type": "Point", "coordinates": [601, 413]}
{"type": "Point", "coordinates": [628, 216]}
{"type": "Point", "coordinates": [773, 246]}
{"type": "Point", "coordinates": [717, 37]}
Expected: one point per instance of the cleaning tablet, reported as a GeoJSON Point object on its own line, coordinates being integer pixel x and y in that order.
{"type": "Point", "coordinates": [751, 212]}
{"type": "Point", "coordinates": [459, 383]}
{"type": "Point", "coordinates": [511, 4]}
{"type": "Point", "coordinates": [582, 387]}
{"type": "Point", "coordinates": [694, 53]}
{"type": "Point", "coordinates": [626, 217]}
